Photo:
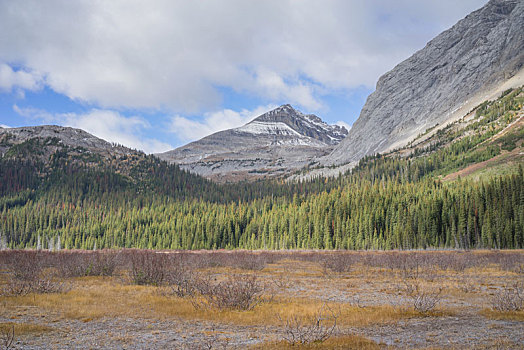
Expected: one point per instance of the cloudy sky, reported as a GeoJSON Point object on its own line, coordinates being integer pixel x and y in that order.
{"type": "Point", "coordinates": [155, 75]}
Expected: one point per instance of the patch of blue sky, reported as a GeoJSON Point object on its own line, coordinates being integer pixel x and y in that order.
{"type": "Point", "coordinates": [344, 105]}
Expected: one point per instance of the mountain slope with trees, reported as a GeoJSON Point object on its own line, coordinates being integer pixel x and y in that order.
{"type": "Point", "coordinates": [396, 200]}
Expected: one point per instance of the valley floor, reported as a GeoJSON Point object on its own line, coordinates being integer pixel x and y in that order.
{"type": "Point", "coordinates": [373, 300]}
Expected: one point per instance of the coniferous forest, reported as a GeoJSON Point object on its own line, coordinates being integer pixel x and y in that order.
{"type": "Point", "coordinates": [390, 201]}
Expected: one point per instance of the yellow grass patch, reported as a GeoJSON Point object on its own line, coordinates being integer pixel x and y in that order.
{"type": "Point", "coordinates": [25, 328]}
{"type": "Point", "coordinates": [342, 342]}
{"type": "Point", "coordinates": [96, 297]}
{"type": "Point", "coordinates": [226, 270]}
{"type": "Point", "coordinates": [503, 315]}
{"type": "Point", "coordinates": [295, 268]}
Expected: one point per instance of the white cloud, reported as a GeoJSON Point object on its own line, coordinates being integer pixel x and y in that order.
{"type": "Point", "coordinates": [20, 79]}
{"type": "Point", "coordinates": [106, 124]}
{"type": "Point", "coordinates": [189, 130]}
{"type": "Point", "coordinates": [344, 124]}
{"type": "Point", "coordinates": [176, 55]}
{"type": "Point", "coordinates": [273, 85]}
{"type": "Point", "coordinates": [4, 126]}
{"type": "Point", "coordinates": [112, 126]}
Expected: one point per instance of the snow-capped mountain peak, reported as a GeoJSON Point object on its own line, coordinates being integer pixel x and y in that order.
{"type": "Point", "coordinates": [285, 120]}
{"type": "Point", "coordinates": [275, 143]}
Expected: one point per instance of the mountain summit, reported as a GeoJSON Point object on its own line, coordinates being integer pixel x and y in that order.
{"type": "Point", "coordinates": [478, 58]}
{"type": "Point", "coordinates": [40, 142]}
{"type": "Point", "coordinates": [276, 143]}
{"type": "Point", "coordinates": [285, 120]}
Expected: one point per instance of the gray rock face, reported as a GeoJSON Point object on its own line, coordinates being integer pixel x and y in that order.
{"type": "Point", "coordinates": [460, 65]}
{"type": "Point", "coordinates": [67, 136]}
{"type": "Point", "coordinates": [273, 144]}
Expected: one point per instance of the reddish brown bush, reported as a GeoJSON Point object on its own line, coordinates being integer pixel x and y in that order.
{"type": "Point", "coordinates": [30, 272]}
{"type": "Point", "coordinates": [241, 259]}
{"type": "Point", "coordinates": [148, 267]}
{"type": "Point", "coordinates": [338, 262]}
{"type": "Point", "coordinates": [93, 263]}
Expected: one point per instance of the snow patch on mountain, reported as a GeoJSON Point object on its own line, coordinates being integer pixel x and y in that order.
{"type": "Point", "coordinates": [276, 143]}
{"type": "Point", "coordinates": [269, 128]}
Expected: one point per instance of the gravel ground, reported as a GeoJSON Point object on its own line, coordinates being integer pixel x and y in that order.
{"type": "Point", "coordinates": [118, 333]}
{"type": "Point", "coordinates": [454, 332]}
{"type": "Point", "coordinates": [463, 328]}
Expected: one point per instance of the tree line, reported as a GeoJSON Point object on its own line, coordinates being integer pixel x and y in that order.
{"type": "Point", "coordinates": [385, 202]}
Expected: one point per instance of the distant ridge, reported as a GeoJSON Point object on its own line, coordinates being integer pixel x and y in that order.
{"type": "Point", "coordinates": [57, 137]}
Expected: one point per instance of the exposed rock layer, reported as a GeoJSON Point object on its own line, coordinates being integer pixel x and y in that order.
{"type": "Point", "coordinates": [460, 66]}
{"type": "Point", "coordinates": [275, 143]}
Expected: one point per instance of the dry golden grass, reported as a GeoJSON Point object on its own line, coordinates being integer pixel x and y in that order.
{"type": "Point", "coordinates": [25, 328]}
{"type": "Point", "coordinates": [503, 315]}
{"type": "Point", "coordinates": [342, 342]}
{"type": "Point", "coordinates": [299, 287]}
{"type": "Point", "coordinates": [497, 344]}
{"type": "Point", "coordinates": [95, 297]}
{"type": "Point", "coordinates": [294, 268]}
{"type": "Point", "coordinates": [347, 315]}
{"type": "Point", "coordinates": [226, 270]}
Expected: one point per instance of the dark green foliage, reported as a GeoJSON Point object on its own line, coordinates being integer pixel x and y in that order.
{"type": "Point", "coordinates": [509, 141]}
{"type": "Point", "coordinates": [382, 214]}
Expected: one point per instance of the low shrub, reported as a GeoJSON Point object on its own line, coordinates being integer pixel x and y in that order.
{"type": "Point", "coordinates": [423, 299]}
{"type": "Point", "coordinates": [148, 267]}
{"type": "Point", "coordinates": [7, 336]}
{"type": "Point", "coordinates": [315, 329]}
{"type": "Point", "coordinates": [79, 264]}
{"type": "Point", "coordinates": [241, 292]}
{"type": "Point", "coordinates": [508, 299]}
{"type": "Point", "coordinates": [338, 262]}
{"type": "Point", "coordinates": [42, 284]}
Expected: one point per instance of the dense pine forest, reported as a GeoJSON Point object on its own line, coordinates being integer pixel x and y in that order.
{"type": "Point", "coordinates": [392, 201]}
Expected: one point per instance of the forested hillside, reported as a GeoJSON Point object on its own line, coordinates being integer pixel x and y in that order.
{"type": "Point", "coordinates": [388, 201]}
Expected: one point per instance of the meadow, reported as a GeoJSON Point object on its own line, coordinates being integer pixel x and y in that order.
{"type": "Point", "coordinates": [262, 299]}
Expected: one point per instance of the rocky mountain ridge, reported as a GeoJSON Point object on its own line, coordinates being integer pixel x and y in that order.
{"type": "Point", "coordinates": [58, 136]}
{"type": "Point", "coordinates": [297, 124]}
{"type": "Point", "coordinates": [474, 60]}
{"type": "Point", "coordinates": [53, 146]}
{"type": "Point", "coordinates": [276, 143]}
